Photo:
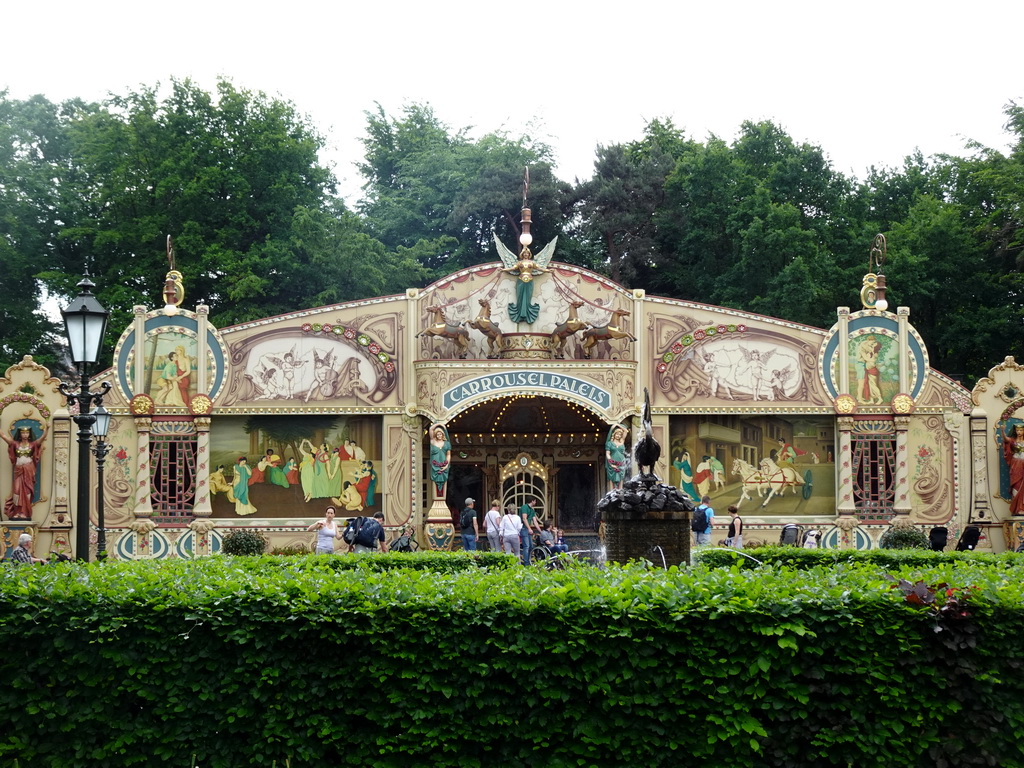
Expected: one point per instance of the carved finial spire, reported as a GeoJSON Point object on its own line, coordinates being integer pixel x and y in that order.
{"type": "Point", "coordinates": [174, 285]}
{"type": "Point", "coordinates": [872, 294]}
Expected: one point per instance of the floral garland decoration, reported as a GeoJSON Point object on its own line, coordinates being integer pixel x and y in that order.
{"type": "Point", "coordinates": [329, 329]}
{"type": "Point", "coordinates": [698, 335]}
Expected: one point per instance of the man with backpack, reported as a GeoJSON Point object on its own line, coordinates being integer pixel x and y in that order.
{"type": "Point", "coordinates": [367, 534]}
{"type": "Point", "coordinates": [700, 524]}
{"type": "Point", "coordinates": [468, 527]}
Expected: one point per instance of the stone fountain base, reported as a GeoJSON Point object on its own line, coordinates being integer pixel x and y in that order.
{"type": "Point", "coordinates": [643, 515]}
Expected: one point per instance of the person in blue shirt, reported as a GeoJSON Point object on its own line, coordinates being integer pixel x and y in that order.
{"type": "Point", "coordinates": [704, 538]}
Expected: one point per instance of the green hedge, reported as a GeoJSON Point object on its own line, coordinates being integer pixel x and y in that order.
{"type": "Point", "coordinates": [798, 557]}
{"type": "Point", "coordinates": [235, 661]}
{"type": "Point", "coordinates": [438, 562]}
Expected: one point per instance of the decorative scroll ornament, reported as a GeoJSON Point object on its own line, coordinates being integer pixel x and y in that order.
{"type": "Point", "coordinates": [201, 405]}
{"type": "Point", "coordinates": [845, 404]}
{"type": "Point", "coordinates": [903, 404]}
{"type": "Point", "coordinates": [142, 405]}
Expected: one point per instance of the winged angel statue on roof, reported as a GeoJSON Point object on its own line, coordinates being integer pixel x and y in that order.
{"type": "Point", "coordinates": [525, 266]}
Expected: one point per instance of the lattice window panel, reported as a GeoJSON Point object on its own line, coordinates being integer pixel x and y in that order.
{"type": "Point", "coordinates": [173, 474]}
{"type": "Point", "coordinates": [523, 479]}
{"type": "Point", "coordinates": [874, 474]}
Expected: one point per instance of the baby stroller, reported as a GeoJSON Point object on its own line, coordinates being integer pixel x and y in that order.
{"type": "Point", "coordinates": [404, 543]}
{"type": "Point", "coordinates": [791, 535]}
{"type": "Point", "coordinates": [938, 537]}
{"type": "Point", "coordinates": [968, 539]}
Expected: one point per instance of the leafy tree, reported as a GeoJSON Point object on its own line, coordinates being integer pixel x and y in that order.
{"type": "Point", "coordinates": [620, 203]}
{"type": "Point", "coordinates": [439, 194]}
{"type": "Point", "coordinates": [762, 225]}
{"type": "Point", "coordinates": [34, 153]}
{"type": "Point", "coordinates": [234, 177]}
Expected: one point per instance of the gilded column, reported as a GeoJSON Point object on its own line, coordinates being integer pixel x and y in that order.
{"type": "Point", "coordinates": [202, 350]}
{"type": "Point", "coordinates": [902, 488]}
{"type": "Point", "coordinates": [143, 481]}
{"type": "Point", "coordinates": [202, 507]}
{"type": "Point", "coordinates": [981, 506]}
{"type": "Point", "coordinates": [842, 377]}
{"type": "Point", "coordinates": [60, 434]}
{"type": "Point", "coordinates": [845, 461]}
{"type": "Point", "coordinates": [903, 324]}
{"type": "Point", "coordinates": [139, 349]}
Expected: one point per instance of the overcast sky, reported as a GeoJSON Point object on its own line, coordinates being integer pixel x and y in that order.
{"type": "Point", "coordinates": [868, 82]}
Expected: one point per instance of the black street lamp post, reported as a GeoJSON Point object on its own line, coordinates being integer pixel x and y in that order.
{"type": "Point", "coordinates": [85, 322]}
{"type": "Point", "coordinates": [100, 450]}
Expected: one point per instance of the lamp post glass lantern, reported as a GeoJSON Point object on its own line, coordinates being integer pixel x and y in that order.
{"type": "Point", "coordinates": [85, 321]}
{"type": "Point", "coordinates": [100, 450]}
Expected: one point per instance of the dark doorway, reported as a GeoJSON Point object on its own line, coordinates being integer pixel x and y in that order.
{"type": "Point", "coordinates": [577, 497]}
{"type": "Point", "coordinates": [466, 481]}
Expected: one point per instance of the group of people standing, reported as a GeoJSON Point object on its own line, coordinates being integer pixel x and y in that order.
{"type": "Point", "coordinates": [511, 532]}
{"type": "Point", "coordinates": [734, 538]}
{"type": "Point", "coordinates": [369, 533]}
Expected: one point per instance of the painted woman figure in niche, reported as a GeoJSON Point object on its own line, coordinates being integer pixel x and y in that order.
{"type": "Point", "coordinates": [1013, 455]}
{"type": "Point", "coordinates": [184, 375]}
{"type": "Point", "coordinates": [870, 389]}
{"type": "Point", "coordinates": [615, 463]}
{"type": "Point", "coordinates": [682, 463]}
{"type": "Point", "coordinates": [167, 392]}
{"type": "Point", "coordinates": [440, 457]}
{"type": "Point", "coordinates": [25, 454]}
{"type": "Point", "coordinates": [242, 474]}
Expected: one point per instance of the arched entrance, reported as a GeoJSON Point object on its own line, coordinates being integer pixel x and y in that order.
{"type": "Point", "coordinates": [529, 446]}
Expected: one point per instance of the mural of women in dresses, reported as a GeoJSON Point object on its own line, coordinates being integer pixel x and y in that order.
{"type": "Point", "coordinates": [291, 472]}
{"type": "Point", "coordinates": [243, 473]}
{"type": "Point", "coordinates": [682, 463]}
{"type": "Point", "coordinates": [219, 484]}
{"type": "Point", "coordinates": [440, 457]}
{"type": "Point", "coordinates": [615, 464]}
{"type": "Point", "coordinates": [25, 454]}
{"type": "Point", "coordinates": [275, 472]}
{"type": "Point", "coordinates": [307, 470]}
{"type": "Point", "coordinates": [371, 486]}
{"type": "Point", "coordinates": [321, 471]}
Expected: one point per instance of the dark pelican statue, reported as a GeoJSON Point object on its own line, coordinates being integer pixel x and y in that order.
{"type": "Point", "coordinates": [647, 450]}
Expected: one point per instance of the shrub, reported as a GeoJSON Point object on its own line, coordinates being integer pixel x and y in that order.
{"type": "Point", "coordinates": [904, 538]}
{"type": "Point", "coordinates": [296, 549]}
{"type": "Point", "coordinates": [223, 659]}
{"type": "Point", "coordinates": [244, 541]}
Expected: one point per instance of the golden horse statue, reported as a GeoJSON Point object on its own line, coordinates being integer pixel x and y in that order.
{"type": "Point", "coordinates": [483, 323]}
{"type": "Point", "coordinates": [572, 324]}
{"type": "Point", "coordinates": [606, 332]}
{"type": "Point", "coordinates": [441, 328]}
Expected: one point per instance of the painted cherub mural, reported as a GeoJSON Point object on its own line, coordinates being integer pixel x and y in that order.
{"type": "Point", "coordinates": [277, 375]}
{"type": "Point", "coordinates": [755, 366]}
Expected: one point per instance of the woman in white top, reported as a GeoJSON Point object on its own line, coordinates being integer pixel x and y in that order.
{"type": "Point", "coordinates": [326, 532]}
{"type": "Point", "coordinates": [509, 531]}
{"type": "Point", "coordinates": [492, 521]}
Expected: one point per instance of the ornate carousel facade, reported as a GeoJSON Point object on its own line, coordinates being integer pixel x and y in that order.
{"type": "Point", "coordinates": [515, 380]}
